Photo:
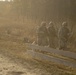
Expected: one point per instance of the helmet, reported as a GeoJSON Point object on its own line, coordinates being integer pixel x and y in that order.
{"type": "Point", "coordinates": [43, 23]}
{"type": "Point", "coordinates": [64, 24]}
{"type": "Point", "coordinates": [51, 23]}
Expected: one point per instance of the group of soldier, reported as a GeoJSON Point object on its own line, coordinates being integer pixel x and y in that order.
{"type": "Point", "coordinates": [47, 35]}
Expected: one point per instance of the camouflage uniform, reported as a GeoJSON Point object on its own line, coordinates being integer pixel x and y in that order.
{"type": "Point", "coordinates": [52, 35]}
{"type": "Point", "coordinates": [42, 35]}
{"type": "Point", "coordinates": [63, 36]}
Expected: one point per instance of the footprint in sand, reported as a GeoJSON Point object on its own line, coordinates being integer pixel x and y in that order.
{"type": "Point", "coordinates": [0, 70]}
{"type": "Point", "coordinates": [15, 73]}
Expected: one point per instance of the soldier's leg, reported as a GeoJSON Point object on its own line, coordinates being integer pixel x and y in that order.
{"type": "Point", "coordinates": [39, 41]}
{"type": "Point", "coordinates": [61, 44]}
{"type": "Point", "coordinates": [50, 42]}
{"type": "Point", "coordinates": [54, 42]}
{"type": "Point", "coordinates": [45, 41]}
{"type": "Point", "coordinates": [65, 45]}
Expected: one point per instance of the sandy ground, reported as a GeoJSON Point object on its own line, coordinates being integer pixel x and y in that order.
{"type": "Point", "coordinates": [16, 66]}
{"type": "Point", "coordinates": [13, 59]}
{"type": "Point", "coordinates": [8, 67]}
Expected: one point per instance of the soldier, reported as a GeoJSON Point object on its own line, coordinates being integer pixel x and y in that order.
{"type": "Point", "coordinates": [42, 35]}
{"type": "Point", "coordinates": [52, 35]}
{"type": "Point", "coordinates": [63, 36]}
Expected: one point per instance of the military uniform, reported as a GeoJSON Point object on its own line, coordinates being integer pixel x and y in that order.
{"type": "Point", "coordinates": [52, 35]}
{"type": "Point", "coordinates": [42, 35]}
{"type": "Point", "coordinates": [63, 36]}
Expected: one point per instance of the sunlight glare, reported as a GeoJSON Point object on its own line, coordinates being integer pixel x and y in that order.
{"type": "Point", "coordinates": [6, 0]}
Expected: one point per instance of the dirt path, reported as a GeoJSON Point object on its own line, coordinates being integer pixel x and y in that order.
{"type": "Point", "coordinates": [13, 61]}
{"type": "Point", "coordinates": [19, 67]}
{"type": "Point", "coordinates": [8, 67]}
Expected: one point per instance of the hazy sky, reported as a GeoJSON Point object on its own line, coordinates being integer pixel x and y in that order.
{"type": "Point", "coordinates": [6, 0]}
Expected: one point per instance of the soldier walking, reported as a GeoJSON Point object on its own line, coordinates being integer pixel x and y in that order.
{"type": "Point", "coordinates": [52, 35]}
{"type": "Point", "coordinates": [42, 35]}
{"type": "Point", "coordinates": [63, 36]}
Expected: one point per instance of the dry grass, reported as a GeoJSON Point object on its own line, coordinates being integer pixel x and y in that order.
{"type": "Point", "coordinates": [18, 50]}
{"type": "Point", "coordinates": [13, 44]}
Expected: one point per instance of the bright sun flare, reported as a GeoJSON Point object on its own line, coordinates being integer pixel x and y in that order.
{"type": "Point", "coordinates": [6, 0]}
